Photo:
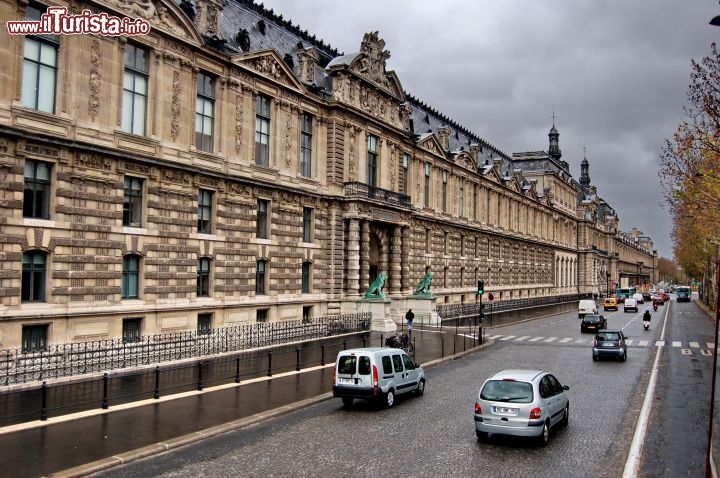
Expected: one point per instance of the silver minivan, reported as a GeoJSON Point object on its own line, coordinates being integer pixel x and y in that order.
{"type": "Point", "coordinates": [377, 374]}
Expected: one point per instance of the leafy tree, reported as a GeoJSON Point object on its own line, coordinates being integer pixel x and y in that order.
{"type": "Point", "coordinates": [690, 171]}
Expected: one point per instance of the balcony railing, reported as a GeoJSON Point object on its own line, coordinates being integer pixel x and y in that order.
{"type": "Point", "coordinates": [454, 311]}
{"type": "Point", "coordinates": [358, 189]}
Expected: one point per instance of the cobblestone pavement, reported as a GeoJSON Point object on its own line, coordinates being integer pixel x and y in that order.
{"type": "Point", "coordinates": [433, 435]}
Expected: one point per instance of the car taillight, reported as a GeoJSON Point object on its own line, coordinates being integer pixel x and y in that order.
{"type": "Point", "coordinates": [375, 376]}
{"type": "Point", "coordinates": [535, 413]}
{"type": "Point", "coordinates": [478, 409]}
{"type": "Point", "coordinates": [620, 342]}
{"type": "Point", "coordinates": [595, 343]}
{"type": "Point", "coordinates": [334, 374]}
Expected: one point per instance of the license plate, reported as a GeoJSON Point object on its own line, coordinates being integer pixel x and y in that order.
{"type": "Point", "coordinates": [606, 344]}
{"type": "Point", "coordinates": [505, 411]}
{"type": "Point", "coordinates": [346, 380]}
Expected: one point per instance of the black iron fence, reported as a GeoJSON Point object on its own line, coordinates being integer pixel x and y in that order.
{"type": "Point", "coordinates": [471, 310]}
{"type": "Point", "coordinates": [65, 360]}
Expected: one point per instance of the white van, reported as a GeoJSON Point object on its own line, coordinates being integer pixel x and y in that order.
{"type": "Point", "coordinates": [630, 305]}
{"type": "Point", "coordinates": [376, 374]}
{"type": "Point", "coordinates": [587, 306]}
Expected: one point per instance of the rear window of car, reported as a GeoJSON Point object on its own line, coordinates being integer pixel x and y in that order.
{"type": "Point", "coordinates": [507, 391]}
{"type": "Point", "coordinates": [607, 336]}
{"type": "Point", "coordinates": [347, 364]}
{"type": "Point", "coordinates": [592, 319]}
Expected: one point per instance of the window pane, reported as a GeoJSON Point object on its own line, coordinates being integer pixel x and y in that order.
{"type": "Point", "coordinates": [139, 115]}
{"type": "Point", "coordinates": [29, 93]}
{"type": "Point", "coordinates": [48, 54]}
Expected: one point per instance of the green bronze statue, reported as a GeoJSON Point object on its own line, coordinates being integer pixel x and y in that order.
{"type": "Point", "coordinates": [375, 290]}
{"type": "Point", "coordinates": [423, 287]}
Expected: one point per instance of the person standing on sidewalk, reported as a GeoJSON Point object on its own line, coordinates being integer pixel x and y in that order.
{"type": "Point", "coordinates": [409, 316]}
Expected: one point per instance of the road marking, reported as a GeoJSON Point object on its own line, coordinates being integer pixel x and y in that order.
{"type": "Point", "coordinates": [564, 341]}
{"type": "Point", "coordinates": [643, 343]}
{"type": "Point", "coordinates": [580, 341]}
{"type": "Point", "coordinates": [659, 343]}
{"type": "Point", "coordinates": [686, 351]}
{"type": "Point", "coordinates": [551, 339]}
{"type": "Point", "coordinates": [706, 352]}
{"type": "Point", "coordinates": [520, 339]}
{"type": "Point", "coordinates": [694, 345]}
{"type": "Point", "coordinates": [493, 337]}
{"type": "Point", "coordinates": [629, 341]}
{"type": "Point", "coordinates": [508, 337]}
{"type": "Point", "coordinates": [711, 345]}
{"type": "Point", "coordinates": [536, 339]}
{"type": "Point", "coordinates": [676, 343]}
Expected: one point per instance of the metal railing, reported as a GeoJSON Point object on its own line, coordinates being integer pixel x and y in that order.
{"type": "Point", "coordinates": [64, 360]}
{"type": "Point", "coordinates": [355, 188]}
{"type": "Point", "coordinates": [454, 311]}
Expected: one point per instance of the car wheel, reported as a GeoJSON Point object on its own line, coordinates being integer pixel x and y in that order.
{"type": "Point", "coordinates": [566, 415]}
{"type": "Point", "coordinates": [347, 401]}
{"type": "Point", "coordinates": [390, 398]}
{"type": "Point", "coordinates": [544, 437]}
{"type": "Point", "coordinates": [482, 436]}
{"type": "Point", "coordinates": [420, 387]}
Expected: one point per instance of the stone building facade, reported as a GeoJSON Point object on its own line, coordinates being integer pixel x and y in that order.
{"type": "Point", "coordinates": [228, 168]}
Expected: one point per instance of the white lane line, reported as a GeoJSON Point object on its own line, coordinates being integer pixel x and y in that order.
{"type": "Point", "coordinates": [659, 343]}
{"type": "Point", "coordinates": [564, 341]}
{"type": "Point", "coordinates": [629, 341]}
{"type": "Point", "coordinates": [581, 341]}
{"type": "Point", "coordinates": [643, 343]}
{"type": "Point", "coordinates": [520, 339]}
{"type": "Point", "coordinates": [676, 343]}
{"type": "Point", "coordinates": [711, 345]}
{"type": "Point", "coordinates": [694, 345]}
{"type": "Point", "coordinates": [550, 339]}
{"type": "Point", "coordinates": [508, 337]}
{"type": "Point", "coordinates": [535, 339]}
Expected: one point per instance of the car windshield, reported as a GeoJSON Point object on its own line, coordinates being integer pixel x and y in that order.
{"type": "Point", "coordinates": [607, 336]}
{"type": "Point", "coordinates": [507, 391]}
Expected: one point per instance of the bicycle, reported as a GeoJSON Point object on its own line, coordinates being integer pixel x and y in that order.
{"type": "Point", "coordinates": [401, 341]}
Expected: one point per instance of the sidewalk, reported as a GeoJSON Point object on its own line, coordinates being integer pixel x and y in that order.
{"type": "Point", "coordinates": [81, 443]}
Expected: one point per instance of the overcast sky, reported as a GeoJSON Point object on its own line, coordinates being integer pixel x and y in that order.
{"type": "Point", "coordinates": [616, 73]}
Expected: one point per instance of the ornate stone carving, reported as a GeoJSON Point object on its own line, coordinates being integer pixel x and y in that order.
{"type": "Point", "coordinates": [175, 176]}
{"type": "Point", "coordinates": [351, 152]}
{"type": "Point", "coordinates": [154, 13]}
{"type": "Point", "coordinates": [268, 66]}
{"type": "Point", "coordinates": [93, 161]}
{"type": "Point", "coordinates": [3, 145]}
{"type": "Point", "coordinates": [307, 62]}
{"type": "Point", "coordinates": [238, 122]}
{"type": "Point", "coordinates": [175, 106]}
{"type": "Point", "coordinates": [95, 78]}
{"type": "Point", "coordinates": [288, 139]}
{"type": "Point", "coordinates": [42, 150]}
{"type": "Point", "coordinates": [372, 63]}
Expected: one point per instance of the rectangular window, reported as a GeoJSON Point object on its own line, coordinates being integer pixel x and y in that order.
{"type": "Point", "coordinates": [462, 246]}
{"type": "Point", "coordinates": [130, 287]}
{"type": "Point", "coordinates": [34, 338]}
{"type": "Point", "coordinates": [203, 277]}
{"type": "Point", "coordinates": [204, 224]}
{"type": "Point", "coordinates": [444, 190]}
{"type": "Point", "coordinates": [132, 202]}
{"type": "Point", "coordinates": [135, 90]}
{"type": "Point", "coordinates": [262, 130]}
{"type": "Point", "coordinates": [307, 312]}
{"type": "Point", "coordinates": [307, 224]}
{"type": "Point", "coordinates": [34, 273]}
{"type": "Point", "coordinates": [306, 277]}
{"type": "Point", "coordinates": [462, 197]}
{"type": "Point", "coordinates": [204, 324]}
{"type": "Point", "coordinates": [260, 278]}
{"type": "Point", "coordinates": [40, 67]}
{"type": "Point", "coordinates": [36, 199]}
{"type": "Point", "coordinates": [306, 134]}
{"type": "Point", "coordinates": [427, 184]}
{"type": "Point", "coordinates": [261, 315]}
{"type": "Point", "coordinates": [204, 112]}
{"type": "Point", "coordinates": [372, 161]}
{"type": "Point", "coordinates": [261, 227]}
{"type": "Point", "coordinates": [131, 330]}
{"type": "Point", "coordinates": [405, 172]}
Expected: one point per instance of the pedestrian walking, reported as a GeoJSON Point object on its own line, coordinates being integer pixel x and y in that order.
{"type": "Point", "coordinates": [409, 316]}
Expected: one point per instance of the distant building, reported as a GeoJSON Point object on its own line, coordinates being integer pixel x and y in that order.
{"type": "Point", "coordinates": [229, 168]}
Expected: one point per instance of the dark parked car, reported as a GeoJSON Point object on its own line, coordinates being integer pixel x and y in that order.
{"type": "Point", "coordinates": [647, 296]}
{"type": "Point", "coordinates": [593, 323]}
{"type": "Point", "coordinates": [610, 343]}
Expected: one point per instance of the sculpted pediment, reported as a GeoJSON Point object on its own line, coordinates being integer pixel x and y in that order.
{"type": "Point", "coordinates": [270, 65]}
{"type": "Point", "coordinates": [429, 143]}
{"type": "Point", "coordinates": [466, 161]}
{"type": "Point", "coordinates": [164, 16]}
{"type": "Point", "coordinates": [369, 64]}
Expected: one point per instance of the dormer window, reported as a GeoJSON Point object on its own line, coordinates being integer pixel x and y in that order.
{"type": "Point", "coordinates": [261, 26]}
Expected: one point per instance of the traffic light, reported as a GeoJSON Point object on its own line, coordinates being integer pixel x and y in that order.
{"type": "Point", "coordinates": [481, 287]}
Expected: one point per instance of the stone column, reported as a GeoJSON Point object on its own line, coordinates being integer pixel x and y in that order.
{"type": "Point", "coordinates": [353, 267]}
{"type": "Point", "coordinates": [395, 262]}
{"type": "Point", "coordinates": [364, 256]}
